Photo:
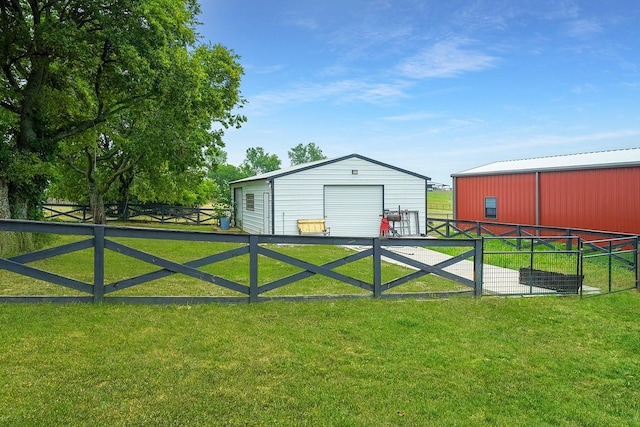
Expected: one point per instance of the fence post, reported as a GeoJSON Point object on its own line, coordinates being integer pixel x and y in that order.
{"type": "Point", "coordinates": [478, 266]}
{"type": "Point", "coordinates": [253, 268]}
{"type": "Point", "coordinates": [637, 259]}
{"type": "Point", "coordinates": [610, 265]}
{"type": "Point", "coordinates": [98, 263]}
{"type": "Point", "coordinates": [579, 266]}
{"type": "Point", "coordinates": [377, 266]}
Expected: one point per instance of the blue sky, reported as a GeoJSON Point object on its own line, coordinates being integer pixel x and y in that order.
{"type": "Point", "coordinates": [433, 86]}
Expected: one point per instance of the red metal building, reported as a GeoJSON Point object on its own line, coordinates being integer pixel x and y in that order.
{"type": "Point", "coordinates": [594, 191]}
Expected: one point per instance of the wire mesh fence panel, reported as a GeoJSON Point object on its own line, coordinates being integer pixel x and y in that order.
{"type": "Point", "coordinates": [610, 265]}
{"type": "Point", "coordinates": [526, 266]}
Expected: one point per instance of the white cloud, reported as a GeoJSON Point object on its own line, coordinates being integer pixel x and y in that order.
{"type": "Point", "coordinates": [448, 58]}
{"type": "Point", "coordinates": [305, 23]}
{"type": "Point", "coordinates": [584, 88]}
{"type": "Point", "coordinates": [268, 69]}
{"type": "Point", "coordinates": [583, 28]}
{"type": "Point", "coordinates": [555, 141]}
{"type": "Point", "coordinates": [338, 91]}
{"type": "Point", "coordinates": [410, 117]}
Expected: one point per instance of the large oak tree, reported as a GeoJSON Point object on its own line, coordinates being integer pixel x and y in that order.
{"type": "Point", "coordinates": [160, 148]}
{"type": "Point", "coordinates": [94, 73]}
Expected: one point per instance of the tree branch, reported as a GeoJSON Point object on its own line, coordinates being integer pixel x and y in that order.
{"type": "Point", "coordinates": [76, 128]}
{"type": "Point", "coordinates": [67, 161]}
{"type": "Point", "coordinates": [10, 107]}
{"type": "Point", "coordinates": [125, 166]}
{"type": "Point", "coordinates": [100, 70]}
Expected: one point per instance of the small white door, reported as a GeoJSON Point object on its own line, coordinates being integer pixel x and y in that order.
{"type": "Point", "coordinates": [266, 214]}
{"type": "Point", "coordinates": [237, 207]}
{"type": "Point", "coordinates": [353, 210]}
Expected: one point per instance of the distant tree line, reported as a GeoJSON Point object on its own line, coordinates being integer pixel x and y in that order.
{"type": "Point", "coordinates": [256, 162]}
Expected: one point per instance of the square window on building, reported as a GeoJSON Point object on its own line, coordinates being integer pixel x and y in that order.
{"type": "Point", "coordinates": [490, 207]}
{"type": "Point", "coordinates": [251, 202]}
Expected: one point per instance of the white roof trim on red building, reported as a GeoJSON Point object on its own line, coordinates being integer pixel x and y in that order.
{"type": "Point", "coordinates": [594, 160]}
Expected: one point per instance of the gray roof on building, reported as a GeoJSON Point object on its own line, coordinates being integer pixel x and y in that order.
{"type": "Point", "coordinates": [297, 168]}
{"type": "Point", "coordinates": [593, 160]}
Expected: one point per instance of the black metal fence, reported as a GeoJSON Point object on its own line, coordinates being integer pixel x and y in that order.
{"type": "Point", "coordinates": [611, 265]}
{"type": "Point", "coordinates": [530, 267]}
{"type": "Point", "coordinates": [134, 212]}
{"type": "Point", "coordinates": [119, 264]}
{"type": "Point", "coordinates": [603, 261]}
{"type": "Point", "coordinates": [229, 267]}
{"type": "Point", "coordinates": [452, 228]}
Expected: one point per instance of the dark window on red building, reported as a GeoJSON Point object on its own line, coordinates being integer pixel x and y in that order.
{"type": "Point", "coordinates": [490, 207]}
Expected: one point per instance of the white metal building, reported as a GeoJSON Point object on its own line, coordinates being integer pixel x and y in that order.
{"type": "Point", "coordinates": [350, 193]}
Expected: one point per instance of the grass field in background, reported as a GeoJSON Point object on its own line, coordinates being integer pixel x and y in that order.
{"type": "Point", "coordinates": [440, 204]}
{"type": "Point", "coordinates": [497, 361]}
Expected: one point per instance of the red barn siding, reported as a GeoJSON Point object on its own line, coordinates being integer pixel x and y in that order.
{"type": "Point", "coordinates": [605, 199]}
{"type": "Point", "coordinates": [515, 196]}
{"type": "Point", "coordinates": [596, 199]}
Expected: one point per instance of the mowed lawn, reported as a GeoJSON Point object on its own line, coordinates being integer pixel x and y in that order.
{"type": "Point", "coordinates": [548, 361]}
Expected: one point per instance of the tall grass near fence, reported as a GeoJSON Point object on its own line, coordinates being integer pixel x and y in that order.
{"type": "Point", "coordinates": [524, 361]}
{"type": "Point", "coordinates": [12, 243]}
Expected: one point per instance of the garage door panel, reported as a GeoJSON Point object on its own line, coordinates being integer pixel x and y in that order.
{"type": "Point", "coordinates": [353, 210]}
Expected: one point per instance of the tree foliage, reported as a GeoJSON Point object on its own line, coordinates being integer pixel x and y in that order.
{"type": "Point", "coordinates": [158, 153]}
{"type": "Point", "coordinates": [222, 175]}
{"type": "Point", "coordinates": [305, 153]}
{"type": "Point", "coordinates": [119, 82]}
{"type": "Point", "coordinates": [257, 162]}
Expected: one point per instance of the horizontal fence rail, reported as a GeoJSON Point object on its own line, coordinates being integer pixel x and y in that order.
{"type": "Point", "coordinates": [458, 227]}
{"type": "Point", "coordinates": [252, 249]}
{"type": "Point", "coordinates": [133, 212]}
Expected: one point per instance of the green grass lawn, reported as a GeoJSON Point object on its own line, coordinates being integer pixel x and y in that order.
{"type": "Point", "coordinates": [545, 361]}
{"type": "Point", "coordinates": [495, 361]}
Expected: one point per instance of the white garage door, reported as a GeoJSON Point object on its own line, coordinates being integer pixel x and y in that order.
{"type": "Point", "coordinates": [353, 210]}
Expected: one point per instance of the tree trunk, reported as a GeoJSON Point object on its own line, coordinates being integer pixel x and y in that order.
{"type": "Point", "coordinates": [124, 191]}
{"type": "Point", "coordinates": [5, 210]}
{"type": "Point", "coordinates": [27, 188]}
{"type": "Point", "coordinates": [97, 206]}
{"type": "Point", "coordinates": [20, 208]}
